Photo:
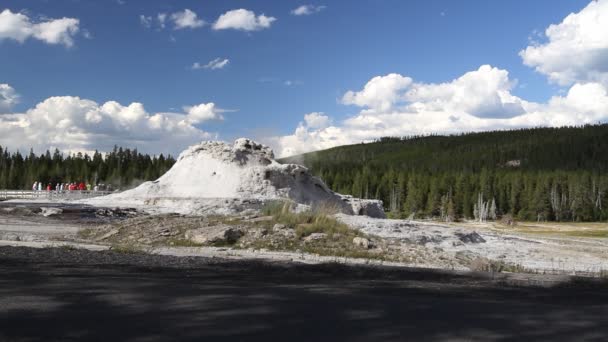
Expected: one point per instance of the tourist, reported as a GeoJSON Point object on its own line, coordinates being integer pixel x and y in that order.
{"type": "Point", "coordinates": [48, 187]}
{"type": "Point", "coordinates": [39, 186]}
{"type": "Point", "coordinates": [35, 186]}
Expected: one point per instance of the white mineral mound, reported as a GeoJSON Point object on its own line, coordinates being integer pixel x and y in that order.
{"type": "Point", "coordinates": [215, 177]}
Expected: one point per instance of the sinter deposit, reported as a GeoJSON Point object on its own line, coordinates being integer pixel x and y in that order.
{"type": "Point", "coordinates": [215, 177]}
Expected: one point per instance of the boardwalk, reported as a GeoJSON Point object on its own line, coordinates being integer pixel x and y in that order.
{"type": "Point", "coordinates": [50, 195]}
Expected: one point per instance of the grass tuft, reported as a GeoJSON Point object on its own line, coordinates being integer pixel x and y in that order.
{"type": "Point", "coordinates": [316, 220]}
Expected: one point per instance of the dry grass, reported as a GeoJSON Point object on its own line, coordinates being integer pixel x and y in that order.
{"type": "Point", "coordinates": [316, 220]}
{"type": "Point", "coordinates": [572, 229]}
{"type": "Point", "coordinates": [493, 266]}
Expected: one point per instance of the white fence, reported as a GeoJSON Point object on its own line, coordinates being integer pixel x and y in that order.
{"type": "Point", "coordinates": [50, 195]}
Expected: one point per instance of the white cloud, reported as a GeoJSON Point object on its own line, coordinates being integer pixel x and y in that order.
{"type": "Point", "coordinates": [181, 20]}
{"type": "Point", "coordinates": [8, 97]}
{"type": "Point", "coordinates": [75, 124]}
{"type": "Point", "coordinates": [145, 21]}
{"type": "Point", "coordinates": [162, 18]}
{"type": "Point", "coordinates": [19, 27]}
{"type": "Point", "coordinates": [242, 19]}
{"type": "Point", "coordinates": [485, 92]}
{"type": "Point", "coordinates": [203, 112]}
{"type": "Point", "coordinates": [186, 19]}
{"type": "Point", "coordinates": [576, 49]}
{"type": "Point", "coordinates": [480, 100]}
{"type": "Point", "coordinates": [317, 120]}
{"type": "Point", "coordinates": [380, 93]}
{"type": "Point", "coordinates": [575, 55]}
{"type": "Point", "coordinates": [218, 63]}
{"type": "Point", "coordinates": [307, 9]}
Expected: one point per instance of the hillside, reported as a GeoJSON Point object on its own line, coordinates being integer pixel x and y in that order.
{"type": "Point", "coordinates": [533, 174]}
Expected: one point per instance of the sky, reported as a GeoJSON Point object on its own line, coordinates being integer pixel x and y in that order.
{"type": "Point", "coordinates": [300, 76]}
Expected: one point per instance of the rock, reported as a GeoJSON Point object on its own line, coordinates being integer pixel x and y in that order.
{"type": "Point", "coordinates": [315, 237]}
{"type": "Point", "coordinates": [470, 238]}
{"type": "Point", "coordinates": [215, 234]}
{"type": "Point", "coordinates": [116, 212]}
{"type": "Point", "coordinates": [261, 219]}
{"type": "Point", "coordinates": [167, 232]}
{"type": "Point", "coordinates": [244, 171]}
{"type": "Point", "coordinates": [18, 211]}
{"type": "Point", "coordinates": [278, 227]}
{"type": "Point", "coordinates": [371, 208]}
{"type": "Point", "coordinates": [46, 211]}
{"type": "Point", "coordinates": [258, 233]}
{"type": "Point", "coordinates": [288, 233]}
{"type": "Point", "coordinates": [423, 240]}
{"type": "Point", "coordinates": [362, 242]}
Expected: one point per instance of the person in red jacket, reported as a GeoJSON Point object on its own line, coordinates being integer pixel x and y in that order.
{"type": "Point", "coordinates": [49, 188]}
{"type": "Point", "coordinates": [82, 186]}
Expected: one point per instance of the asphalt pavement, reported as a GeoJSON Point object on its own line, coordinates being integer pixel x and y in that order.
{"type": "Point", "coordinates": [62, 294]}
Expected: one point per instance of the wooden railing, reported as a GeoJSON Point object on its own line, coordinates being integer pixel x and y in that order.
{"type": "Point", "coordinates": [50, 195]}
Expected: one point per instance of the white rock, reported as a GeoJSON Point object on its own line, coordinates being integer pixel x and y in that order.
{"type": "Point", "coordinates": [47, 211]}
{"type": "Point", "coordinates": [278, 227]}
{"type": "Point", "coordinates": [214, 234]}
{"type": "Point", "coordinates": [362, 242]}
{"type": "Point", "coordinates": [315, 237]}
{"type": "Point", "coordinates": [215, 177]}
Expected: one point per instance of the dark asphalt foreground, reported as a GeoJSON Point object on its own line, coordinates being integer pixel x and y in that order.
{"type": "Point", "coordinates": [64, 295]}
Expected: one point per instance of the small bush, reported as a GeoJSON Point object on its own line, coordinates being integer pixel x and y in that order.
{"type": "Point", "coordinates": [323, 224]}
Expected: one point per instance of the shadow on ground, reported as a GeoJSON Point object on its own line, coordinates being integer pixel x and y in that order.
{"type": "Point", "coordinates": [41, 299]}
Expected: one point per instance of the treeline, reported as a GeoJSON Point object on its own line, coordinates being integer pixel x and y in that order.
{"type": "Point", "coordinates": [558, 174]}
{"type": "Point", "coordinates": [121, 168]}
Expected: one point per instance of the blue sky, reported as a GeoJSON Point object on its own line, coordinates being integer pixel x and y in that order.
{"type": "Point", "coordinates": [277, 74]}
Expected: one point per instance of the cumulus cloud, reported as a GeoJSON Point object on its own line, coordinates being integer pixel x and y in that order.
{"type": "Point", "coordinates": [576, 49]}
{"type": "Point", "coordinates": [242, 19]}
{"type": "Point", "coordinates": [186, 19]}
{"type": "Point", "coordinates": [74, 124]}
{"type": "Point", "coordinates": [380, 93]}
{"type": "Point", "coordinates": [8, 97]}
{"type": "Point", "coordinates": [19, 27]}
{"type": "Point", "coordinates": [218, 63]}
{"type": "Point", "coordinates": [203, 112]}
{"type": "Point", "coordinates": [395, 105]}
{"type": "Point", "coordinates": [307, 9]}
{"type": "Point", "coordinates": [314, 133]}
{"type": "Point", "coordinates": [484, 93]}
{"type": "Point", "coordinates": [317, 120]}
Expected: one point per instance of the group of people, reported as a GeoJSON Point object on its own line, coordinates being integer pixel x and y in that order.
{"type": "Point", "coordinates": [61, 187]}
